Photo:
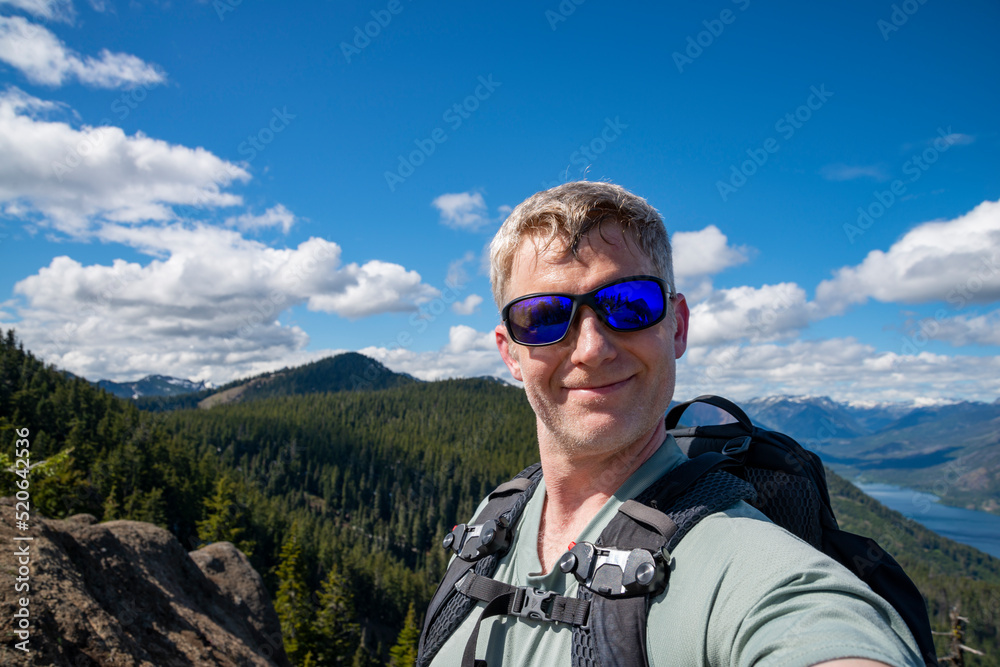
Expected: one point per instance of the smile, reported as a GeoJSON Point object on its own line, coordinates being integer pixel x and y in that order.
{"type": "Point", "coordinates": [602, 390]}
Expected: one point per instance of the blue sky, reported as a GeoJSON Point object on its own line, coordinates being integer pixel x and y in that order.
{"type": "Point", "coordinates": [213, 189]}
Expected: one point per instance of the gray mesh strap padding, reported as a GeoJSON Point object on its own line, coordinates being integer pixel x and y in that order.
{"type": "Point", "coordinates": [616, 633]}
{"type": "Point", "coordinates": [448, 609]}
{"type": "Point", "coordinates": [791, 501]}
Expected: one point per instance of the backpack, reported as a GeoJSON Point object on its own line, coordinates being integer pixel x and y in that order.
{"type": "Point", "coordinates": [627, 565]}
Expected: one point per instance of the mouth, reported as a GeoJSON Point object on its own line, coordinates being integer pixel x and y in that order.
{"type": "Point", "coordinates": [601, 389]}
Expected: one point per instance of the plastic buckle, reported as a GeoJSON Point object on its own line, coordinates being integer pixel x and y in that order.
{"type": "Point", "coordinates": [737, 448]}
{"type": "Point", "coordinates": [532, 604]}
{"type": "Point", "coordinates": [472, 542]}
{"type": "Point", "coordinates": [615, 573]}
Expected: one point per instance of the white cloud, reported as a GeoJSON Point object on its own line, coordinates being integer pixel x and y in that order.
{"type": "Point", "coordinates": [48, 10]}
{"type": "Point", "coordinates": [457, 275]}
{"type": "Point", "coordinates": [77, 177]}
{"type": "Point", "coordinates": [462, 338]}
{"type": "Point", "coordinates": [957, 138]}
{"type": "Point", "coordinates": [45, 60]}
{"type": "Point", "coordinates": [468, 305]}
{"type": "Point", "coordinates": [843, 172]}
{"type": "Point", "coordinates": [209, 306]}
{"type": "Point", "coordinates": [750, 313]}
{"type": "Point", "coordinates": [955, 260]}
{"type": "Point", "coordinates": [844, 369]}
{"type": "Point", "coordinates": [276, 216]}
{"type": "Point", "coordinates": [961, 330]}
{"type": "Point", "coordinates": [704, 253]}
{"type": "Point", "coordinates": [375, 287]}
{"type": "Point", "coordinates": [700, 255]}
{"type": "Point", "coordinates": [463, 210]}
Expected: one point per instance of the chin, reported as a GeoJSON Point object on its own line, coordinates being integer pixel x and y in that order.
{"type": "Point", "coordinates": [588, 435]}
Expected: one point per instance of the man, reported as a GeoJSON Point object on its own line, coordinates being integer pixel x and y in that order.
{"type": "Point", "coordinates": [593, 327]}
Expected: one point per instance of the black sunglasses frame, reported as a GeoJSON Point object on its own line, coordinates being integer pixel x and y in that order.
{"type": "Point", "coordinates": [589, 299]}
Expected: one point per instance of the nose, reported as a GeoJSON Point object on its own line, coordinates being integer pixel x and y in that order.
{"type": "Point", "coordinates": [592, 345]}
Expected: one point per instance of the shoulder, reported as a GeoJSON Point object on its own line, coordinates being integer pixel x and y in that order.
{"type": "Point", "coordinates": [754, 593]}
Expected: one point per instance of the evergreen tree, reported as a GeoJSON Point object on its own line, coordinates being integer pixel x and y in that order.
{"type": "Point", "coordinates": [363, 658]}
{"type": "Point", "coordinates": [404, 653]}
{"type": "Point", "coordinates": [335, 629]}
{"type": "Point", "coordinates": [292, 601]}
{"type": "Point", "coordinates": [112, 509]}
{"type": "Point", "coordinates": [224, 514]}
{"type": "Point", "coordinates": [147, 506]}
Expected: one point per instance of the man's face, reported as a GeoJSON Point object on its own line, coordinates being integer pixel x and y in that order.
{"type": "Point", "coordinates": [597, 390]}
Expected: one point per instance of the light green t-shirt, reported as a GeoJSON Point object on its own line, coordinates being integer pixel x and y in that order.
{"type": "Point", "coordinates": [742, 591]}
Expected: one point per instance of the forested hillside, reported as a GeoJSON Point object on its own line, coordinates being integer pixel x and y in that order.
{"type": "Point", "coordinates": [341, 498]}
{"type": "Point", "coordinates": [348, 371]}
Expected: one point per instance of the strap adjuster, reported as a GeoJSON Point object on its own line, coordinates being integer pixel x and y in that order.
{"type": "Point", "coordinates": [617, 573]}
{"type": "Point", "coordinates": [534, 604]}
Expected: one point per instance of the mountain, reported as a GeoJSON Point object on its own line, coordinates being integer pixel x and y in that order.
{"type": "Point", "coordinates": [151, 385]}
{"type": "Point", "coordinates": [805, 418]}
{"type": "Point", "coordinates": [344, 372]}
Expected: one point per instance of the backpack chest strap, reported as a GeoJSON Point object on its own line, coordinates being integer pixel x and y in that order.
{"type": "Point", "coordinates": [522, 601]}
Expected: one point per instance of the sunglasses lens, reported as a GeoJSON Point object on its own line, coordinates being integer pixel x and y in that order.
{"type": "Point", "coordinates": [632, 305]}
{"type": "Point", "coordinates": [540, 319]}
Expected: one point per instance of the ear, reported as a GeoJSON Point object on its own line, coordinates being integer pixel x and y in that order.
{"type": "Point", "coordinates": [681, 315]}
{"type": "Point", "coordinates": [508, 351]}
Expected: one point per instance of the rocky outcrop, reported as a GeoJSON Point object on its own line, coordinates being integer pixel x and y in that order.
{"type": "Point", "coordinates": [127, 593]}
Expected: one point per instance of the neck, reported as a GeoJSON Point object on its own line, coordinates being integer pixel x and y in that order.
{"type": "Point", "coordinates": [577, 486]}
{"type": "Point", "coordinates": [572, 478]}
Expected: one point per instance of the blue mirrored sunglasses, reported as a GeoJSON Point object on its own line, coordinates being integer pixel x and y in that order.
{"type": "Point", "coordinates": [628, 304]}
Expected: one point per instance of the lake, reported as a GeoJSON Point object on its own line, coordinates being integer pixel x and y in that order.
{"type": "Point", "coordinates": [977, 529]}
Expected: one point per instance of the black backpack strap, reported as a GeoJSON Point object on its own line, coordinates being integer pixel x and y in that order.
{"type": "Point", "coordinates": [674, 415]}
{"type": "Point", "coordinates": [448, 608]}
{"type": "Point", "coordinates": [616, 633]}
{"type": "Point", "coordinates": [521, 601]}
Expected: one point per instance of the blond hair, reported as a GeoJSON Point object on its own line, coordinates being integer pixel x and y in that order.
{"type": "Point", "coordinates": [567, 213]}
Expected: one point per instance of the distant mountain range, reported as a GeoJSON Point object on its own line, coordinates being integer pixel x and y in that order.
{"type": "Point", "coordinates": [951, 450]}
{"type": "Point", "coordinates": [151, 385]}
